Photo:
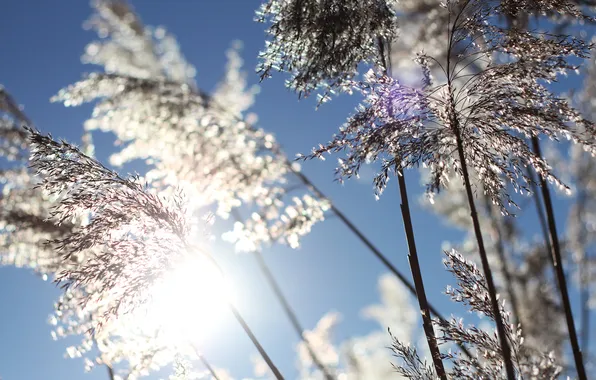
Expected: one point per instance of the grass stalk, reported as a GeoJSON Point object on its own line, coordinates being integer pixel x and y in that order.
{"type": "Point", "coordinates": [418, 282]}
{"type": "Point", "coordinates": [559, 272]}
{"type": "Point", "coordinates": [505, 349]}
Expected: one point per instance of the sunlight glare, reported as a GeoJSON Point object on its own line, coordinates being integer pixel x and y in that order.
{"type": "Point", "coordinates": [190, 301]}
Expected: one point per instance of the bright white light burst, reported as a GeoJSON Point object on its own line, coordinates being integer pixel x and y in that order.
{"type": "Point", "coordinates": [190, 301]}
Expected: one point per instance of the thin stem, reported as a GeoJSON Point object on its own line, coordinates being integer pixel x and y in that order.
{"type": "Point", "coordinates": [500, 248]}
{"type": "Point", "coordinates": [583, 272]}
{"type": "Point", "coordinates": [456, 127]}
{"type": "Point", "coordinates": [585, 302]}
{"type": "Point", "coordinates": [110, 371]}
{"type": "Point", "coordinates": [205, 363]}
{"type": "Point", "coordinates": [352, 360]}
{"type": "Point", "coordinates": [558, 266]}
{"type": "Point", "coordinates": [290, 313]}
{"type": "Point", "coordinates": [541, 215]}
{"type": "Point", "coordinates": [356, 231]}
{"type": "Point", "coordinates": [371, 247]}
{"type": "Point", "coordinates": [418, 282]}
{"type": "Point", "coordinates": [7, 103]}
{"type": "Point", "coordinates": [256, 343]}
{"type": "Point", "coordinates": [276, 149]}
{"type": "Point", "coordinates": [208, 366]}
{"type": "Point", "coordinates": [109, 368]}
{"type": "Point", "coordinates": [483, 256]}
{"type": "Point", "coordinates": [285, 304]}
{"type": "Point", "coordinates": [245, 326]}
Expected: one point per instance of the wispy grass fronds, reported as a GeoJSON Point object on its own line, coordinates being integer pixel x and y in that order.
{"type": "Point", "coordinates": [488, 361]}
{"type": "Point", "coordinates": [131, 236]}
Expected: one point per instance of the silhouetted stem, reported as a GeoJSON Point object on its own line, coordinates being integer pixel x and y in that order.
{"type": "Point", "coordinates": [583, 275]}
{"type": "Point", "coordinates": [256, 343]}
{"type": "Point", "coordinates": [110, 372]}
{"type": "Point", "coordinates": [541, 215]}
{"type": "Point", "coordinates": [418, 282]}
{"type": "Point", "coordinates": [483, 256]}
{"type": "Point", "coordinates": [246, 328]}
{"type": "Point", "coordinates": [290, 313]}
{"type": "Point", "coordinates": [500, 248]}
{"type": "Point", "coordinates": [206, 363]}
{"type": "Point", "coordinates": [9, 104]}
{"type": "Point", "coordinates": [584, 296]}
{"type": "Point", "coordinates": [455, 126]}
{"type": "Point", "coordinates": [560, 274]}
{"type": "Point", "coordinates": [285, 304]}
{"type": "Point", "coordinates": [585, 302]}
{"type": "Point", "coordinates": [352, 227]}
{"type": "Point", "coordinates": [372, 249]}
{"type": "Point", "coordinates": [108, 367]}
{"type": "Point", "coordinates": [347, 222]}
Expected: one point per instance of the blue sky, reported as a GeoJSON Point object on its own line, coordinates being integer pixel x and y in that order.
{"type": "Point", "coordinates": [41, 44]}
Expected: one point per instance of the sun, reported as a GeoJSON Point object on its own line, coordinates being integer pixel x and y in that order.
{"type": "Point", "coordinates": [188, 303]}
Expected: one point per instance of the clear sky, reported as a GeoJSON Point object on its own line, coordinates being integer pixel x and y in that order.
{"type": "Point", "coordinates": [41, 43]}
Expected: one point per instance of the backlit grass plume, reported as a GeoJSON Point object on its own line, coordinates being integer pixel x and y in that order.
{"type": "Point", "coordinates": [24, 210]}
{"type": "Point", "coordinates": [199, 141]}
{"type": "Point", "coordinates": [131, 237]}
{"type": "Point", "coordinates": [488, 360]}
{"type": "Point", "coordinates": [472, 124]}
{"type": "Point", "coordinates": [13, 138]}
{"type": "Point", "coordinates": [491, 112]}
{"type": "Point", "coordinates": [322, 42]}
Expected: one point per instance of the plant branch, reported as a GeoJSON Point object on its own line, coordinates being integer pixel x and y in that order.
{"type": "Point", "coordinates": [256, 343]}
{"type": "Point", "coordinates": [559, 272]}
{"type": "Point", "coordinates": [418, 282]}
{"type": "Point", "coordinates": [336, 211]}
{"type": "Point", "coordinates": [505, 270]}
{"type": "Point", "coordinates": [506, 351]}
{"type": "Point", "coordinates": [583, 274]}
{"type": "Point", "coordinates": [585, 303]}
{"type": "Point", "coordinates": [247, 328]}
{"type": "Point", "coordinates": [110, 372]}
{"type": "Point", "coordinates": [290, 313]}
{"type": "Point", "coordinates": [541, 215]}
{"type": "Point", "coordinates": [285, 304]}
{"type": "Point", "coordinates": [205, 363]}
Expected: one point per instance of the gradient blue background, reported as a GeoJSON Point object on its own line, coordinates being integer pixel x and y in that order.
{"type": "Point", "coordinates": [40, 45]}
